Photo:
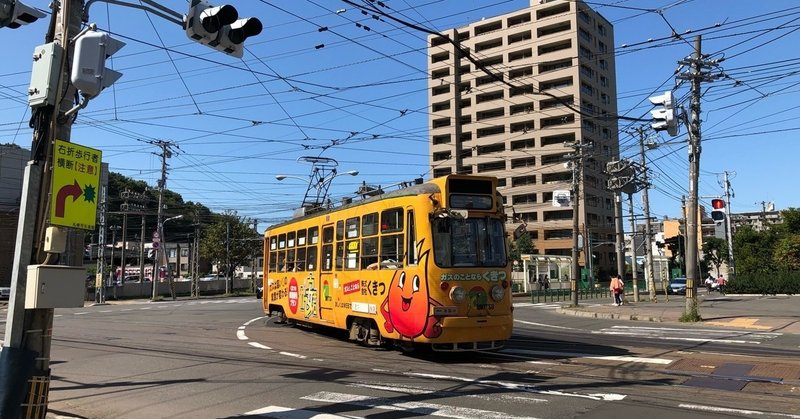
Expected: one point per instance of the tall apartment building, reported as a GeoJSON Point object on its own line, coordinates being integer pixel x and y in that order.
{"type": "Point", "coordinates": [522, 86]}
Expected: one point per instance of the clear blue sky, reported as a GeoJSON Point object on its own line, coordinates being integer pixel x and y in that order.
{"type": "Point", "coordinates": [361, 99]}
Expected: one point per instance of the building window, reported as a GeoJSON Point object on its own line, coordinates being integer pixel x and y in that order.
{"type": "Point", "coordinates": [439, 40]}
{"type": "Point", "coordinates": [558, 139]}
{"type": "Point", "coordinates": [491, 148]}
{"type": "Point", "coordinates": [519, 37]}
{"type": "Point", "coordinates": [518, 20]}
{"type": "Point", "coordinates": [552, 29]}
{"type": "Point", "coordinates": [441, 155]}
{"type": "Point", "coordinates": [524, 162]}
{"type": "Point", "coordinates": [524, 180]}
{"type": "Point", "coordinates": [552, 11]}
{"type": "Point", "coordinates": [489, 27]}
{"type": "Point", "coordinates": [486, 97]}
{"type": "Point", "coordinates": [523, 144]}
{"type": "Point", "coordinates": [441, 139]}
{"type": "Point", "coordinates": [521, 127]}
{"type": "Point", "coordinates": [557, 120]}
{"type": "Point", "coordinates": [441, 122]}
{"type": "Point", "coordinates": [520, 55]}
{"type": "Point", "coordinates": [556, 103]}
{"type": "Point", "coordinates": [444, 171]}
{"type": "Point", "coordinates": [520, 72]}
{"type": "Point", "coordinates": [440, 106]}
{"type": "Point", "coordinates": [491, 113]}
{"type": "Point", "coordinates": [440, 90]}
{"type": "Point", "coordinates": [554, 65]}
{"type": "Point", "coordinates": [439, 57]}
{"type": "Point", "coordinates": [555, 84]}
{"type": "Point", "coordinates": [438, 74]}
{"type": "Point", "coordinates": [492, 166]}
{"type": "Point", "coordinates": [485, 132]}
{"type": "Point", "coordinates": [555, 46]}
{"type": "Point", "coordinates": [521, 108]}
{"type": "Point", "coordinates": [523, 199]}
{"type": "Point", "coordinates": [521, 90]}
{"type": "Point", "coordinates": [493, 43]}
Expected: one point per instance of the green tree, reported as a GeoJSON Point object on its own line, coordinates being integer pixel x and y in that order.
{"type": "Point", "coordinates": [230, 238]}
{"type": "Point", "coordinates": [715, 252]}
{"type": "Point", "coordinates": [787, 253]}
{"type": "Point", "coordinates": [791, 221]}
{"type": "Point", "coordinates": [753, 250]}
{"type": "Point", "coordinates": [522, 246]}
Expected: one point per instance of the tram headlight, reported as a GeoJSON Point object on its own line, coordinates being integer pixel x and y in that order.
{"type": "Point", "coordinates": [458, 294]}
{"type": "Point", "coordinates": [498, 293]}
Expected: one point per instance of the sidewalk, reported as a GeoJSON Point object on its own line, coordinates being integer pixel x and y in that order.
{"type": "Point", "coordinates": [779, 313]}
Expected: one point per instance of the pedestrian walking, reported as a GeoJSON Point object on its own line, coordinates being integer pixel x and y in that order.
{"type": "Point", "coordinates": [617, 286]}
{"type": "Point", "coordinates": [721, 282]}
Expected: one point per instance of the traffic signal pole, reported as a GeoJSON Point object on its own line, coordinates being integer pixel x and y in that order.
{"type": "Point", "coordinates": [26, 356]}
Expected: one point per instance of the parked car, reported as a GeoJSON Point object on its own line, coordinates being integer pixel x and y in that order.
{"type": "Point", "coordinates": [677, 286]}
{"type": "Point", "coordinates": [5, 293]}
{"type": "Point", "coordinates": [259, 291]}
{"type": "Point", "coordinates": [209, 278]}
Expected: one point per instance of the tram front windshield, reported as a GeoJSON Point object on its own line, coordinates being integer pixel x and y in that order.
{"type": "Point", "coordinates": [468, 242]}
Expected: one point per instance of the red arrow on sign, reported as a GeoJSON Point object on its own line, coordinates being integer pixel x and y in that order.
{"type": "Point", "coordinates": [73, 190]}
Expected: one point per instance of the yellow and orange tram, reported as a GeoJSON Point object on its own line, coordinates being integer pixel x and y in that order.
{"type": "Point", "coordinates": [422, 265]}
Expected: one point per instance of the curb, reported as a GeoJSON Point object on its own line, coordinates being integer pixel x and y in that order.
{"type": "Point", "coordinates": [613, 316]}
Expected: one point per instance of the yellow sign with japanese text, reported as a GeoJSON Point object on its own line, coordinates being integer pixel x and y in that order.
{"type": "Point", "coordinates": [75, 185]}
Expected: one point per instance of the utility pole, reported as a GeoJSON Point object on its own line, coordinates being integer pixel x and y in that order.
{"type": "Point", "coordinates": [634, 262]}
{"type": "Point", "coordinates": [728, 228]}
{"type": "Point", "coordinates": [621, 179]}
{"type": "Point", "coordinates": [141, 251]}
{"type": "Point", "coordinates": [254, 275]}
{"type": "Point", "coordinates": [228, 257]}
{"type": "Point", "coordinates": [577, 180]}
{"type": "Point", "coordinates": [696, 75]}
{"type": "Point", "coordinates": [25, 358]}
{"type": "Point", "coordinates": [648, 235]}
{"type": "Point", "coordinates": [166, 152]}
{"type": "Point", "coordinates": [620, 234]}
{"type": "Point", "coordinates": [101, 249]}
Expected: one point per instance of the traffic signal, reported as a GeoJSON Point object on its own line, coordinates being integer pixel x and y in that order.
{"type": "Point", "coordinates": [664, 117]}
{"type": "Point", "coordinates": [718, 210]}
{"type": "Point", "coordinates": [14, 13]}
{"type": "Point", "coordinates": [219, 27]}
{"type": "Point", "coordinates": [89, 72]}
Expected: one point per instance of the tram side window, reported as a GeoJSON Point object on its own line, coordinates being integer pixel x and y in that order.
{"type": "Point", "coordinates": [340, 230]}
{"type": "Point", "coordinates": [369, 224]}
{"type": "Point", "coordinates": [327, 249]}
{"type": "Point", "coordinates": [300, 259]}
{"type": "Point", "coordinates": [290, 239]}
{"type": "Point", "coordinates": [281, 261]}
{"type": "Point", "coordinates": [313, 235]}
{"type": "Point", "coordinates": [391, 251]}
{"type": "Point", "coordinates": [351, 256]}
{"type": "Point", "coordinates": [289, 261]}
{"type": "Point", "coordinates": [411, 242]}
{"type": "Point", "coordinates": [301, 238]}
{"type": "Point", "coordinates": [273, 255]}
{"type": "Point", "coordinates": [369, 253]}
{"type": "Point", "coordinates": [311, 258]}
{"type": "Point", "coordinates": [339, 256]}
{"type": "Point", "coordinates": [281, 241]}
{"type": "Point", "coordinates": [392, 220]}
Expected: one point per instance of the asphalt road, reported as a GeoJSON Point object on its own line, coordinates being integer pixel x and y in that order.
{"type": "Point", "coordinates": [221, 358]}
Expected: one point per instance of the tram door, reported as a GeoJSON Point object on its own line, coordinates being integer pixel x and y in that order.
{"type": "Point", "coordinates": [327, 275]}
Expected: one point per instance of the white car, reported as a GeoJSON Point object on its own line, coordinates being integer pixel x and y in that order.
{"type": "Point", "coordinates": [5, 293]}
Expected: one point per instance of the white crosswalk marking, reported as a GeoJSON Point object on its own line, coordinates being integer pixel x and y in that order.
{"type": "Point", "coordinates": [279, 412]}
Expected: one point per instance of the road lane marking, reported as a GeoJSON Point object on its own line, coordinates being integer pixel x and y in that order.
{"type": "Point", "coordinates": [280, 412]}
{"type": "Point", "coordinates": [418, 408]}
{"type": "Point", "coordinates": [620, 358]}
{"type": "Point", "coordinates": [544, 325]}
{"type": "Point", "coordinates": [736, 412]}
{"type": "Point", "coordinates": [258, 345]}
{"type": "Point", "coordinates": [522, 387]}
{"type": "Point", "coordinates": [293, 355]}
{"type": "Point", "coordinates": [397, 388]}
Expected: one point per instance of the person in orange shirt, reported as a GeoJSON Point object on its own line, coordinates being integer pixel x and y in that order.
{"type": "Point", "coordinates": [617, 286]}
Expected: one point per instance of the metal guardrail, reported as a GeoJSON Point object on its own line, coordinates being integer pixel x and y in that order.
{"type": "Point", "coordinates": [555, 295]}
